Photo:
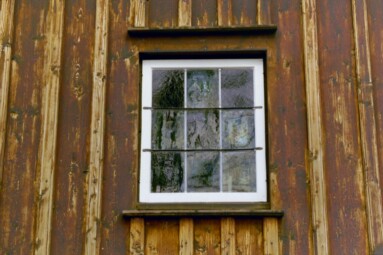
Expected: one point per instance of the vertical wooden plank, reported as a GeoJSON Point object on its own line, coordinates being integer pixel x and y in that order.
{"type": "Point", "coordinates": [184, 13]}
{"type": "Point", "coordinates": [162, 13]}
{"type": "Point", "coordinates": [139, 7]}
{"type": "Point", "coordinates": [161, 236]}
{"type": "Point", "coordinates": [343, 160]}
{"type": "Point", "coordinates": [244, 12]}
{"type": "Point", "coordinates": [137, 236]}
{"type": "Point", "coordinates": [204, 13]}
{"type": "Point", "coordinates": [367, 124]}
{"type": "Point", "coordinates": [249, 236]}
{"type": "Point", "coordinates": [314, 126]}
{"type": "Point", "coordinates": [50, 104]}
{"type": "Point", "coordinates": [228, 236]}
{"type": "Point", "coordinates": [73, 131]}
{"type": "Point", "coordinates": [97, 127]}
{"type": "Point", "coordinates": [263, 12]}
{"type": "Point", "coordinates": [224, 12]}
{"type": "Point", "coordinates": [186, 236]}
{"type": "Point", "coordinates": [207, 236]}
{"type": "Point", "coordinates": [271, 236]}
{"type": "Point", "coordinates": [7, 9]}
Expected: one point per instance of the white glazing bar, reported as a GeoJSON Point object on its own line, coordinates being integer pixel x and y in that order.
{"type": "Point", "coordinates": [185, 133]}
{"type": "Point", "coordinates": [255, 125]}
{"type": "Point", "coordinates": [220, 132]}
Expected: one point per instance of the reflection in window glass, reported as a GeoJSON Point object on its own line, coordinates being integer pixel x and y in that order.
{"type": "Point", "coordinates": [202, 88]}
{"type": "Point", "coordinates": [238, 129]}
{"type": "Point", "coordinates": [168, 88]}
{"type": "Point", "coordinates": [203, 129]}
{"type": "Point", "coordinates": [167, 129]}
{"type": "Point", "coordinates": [203, 172]}
{"type": "Point", "coordinates": [237, 87]}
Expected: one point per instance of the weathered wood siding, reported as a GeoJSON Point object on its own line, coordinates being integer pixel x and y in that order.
{"type": "Point", "coordinates": [69, 125]}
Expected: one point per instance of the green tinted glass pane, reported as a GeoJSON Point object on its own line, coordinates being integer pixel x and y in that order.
{"type": "Point", "coordinates": [202, 88]}
{"type": "Point", "coordinates": [167, 129]}
{"type": "Point", "coordinates": [239, 171]}
{"type": "Point", "coordinates": [167, 172]}
{"type": "Point", "coordinates": [203, 129]}
{"type": "Point", "coordinates": [168, 88]}
{"type": "Point", "coordinates": [203, 172]}
{"type": "Point", "coordinates": [238, 129]}
{"type": "Point", "coordinates": [237, 87]}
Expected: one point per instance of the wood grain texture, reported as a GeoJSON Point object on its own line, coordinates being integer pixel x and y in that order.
{"type": "Point", "coordinates": [204, 13]}
{"type": "Point", "coordinates": [244, 12]}
{"type": "Point", "coordinates": [7, 9]}
{"type": "Point", "coordinates": [50, 105]}
{"type": "Point", "coordinates": [161, 236]}
{"type": "Point", "coordinates": [224, 12]}
{"type": "Point", "coordinates": [228, 246]}
{"type": "Point", "coordinates": [249, 236]}
{"type": "Point", "coordinates": [97, 127]}
{"type": "Point", "coordinates": [186, 236]}
{"type": "Point", "coordinates": [263, 12]}
{"type": "Point", "coordinates": [368, 124]}
{"type": "Point", "coordinates": [343, 159]}
{"type": "Point", "coordinates": [315, 130]}
{"type": "Point", "coordinates": [137, 236]}
{"type": "Point", "coordinates": [139, 9]}
{"type": "Point", "coordinates": [271, 236]}
{"type": "Point", "coordinates": [162, 14]}
{"type": "Point", "coordinates": [73, 132]}
{"type": "Point", "coordinates": [207, 236]}
{"type": "Point", "coordinates": [184, 13]}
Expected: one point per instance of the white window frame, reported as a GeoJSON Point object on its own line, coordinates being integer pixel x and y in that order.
{"type": "Point", "coordinates": [145, 194]}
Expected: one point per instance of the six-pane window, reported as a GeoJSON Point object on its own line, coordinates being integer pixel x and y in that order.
{"type": "Point", "coordinates": [203, 131]}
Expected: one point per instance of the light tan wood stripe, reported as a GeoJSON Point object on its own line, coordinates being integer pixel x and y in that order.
{"type": "Point", "coordinates": [367, 124]}
{"type": "Point", "coordinates": [315, 130]}
{"type": "Point", "coordinates": [137, 236]}
{"type": "Point", "coordinates": [97, 126]}
{"type": "Point", "coordinates": [270, 236]}
{"type": "Point", "coordinates": [6, 33]}
{"type": "Point", "coordinates": [139, 12]}
{"type": "Point", "coordinates": [224, 11]}
{"type": "Point", "coordinates": [184, 13]}
{"type": "Point", "coordinates": [50, 105]}
{"type": "Point", "coordinates": [186, 236]}
{"type": "Point", "coordinates": [228, 236]}
{"type": "Point", "coordinates": [263, 12]}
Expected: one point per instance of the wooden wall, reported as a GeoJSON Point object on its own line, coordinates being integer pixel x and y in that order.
{"type": "Point", "coordinates": [69, 120]}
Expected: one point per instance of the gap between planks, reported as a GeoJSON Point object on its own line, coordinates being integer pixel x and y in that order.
{"type": "Point", "coordinates": [97, 127]}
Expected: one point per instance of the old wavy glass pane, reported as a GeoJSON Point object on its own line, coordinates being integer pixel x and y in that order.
{"type": "Point", "coordinates": [167, 172]}
{"type": "Point", "coordinates": [167, 129]}
{"type": "Point", "coordinates": [237, 87]}
{"type": "Point", "coordinates": [238, 129]}
{"type": "Point", "coordinates": [168, 88]}
{"type": "Point", "coordinates": [202, 88]}
{"type": "Point", "coordinates": [203, 129]}
{"type": "Point", "coordinates": [239, 171]}
{"type": "Point", "coordinates": [203, 172]}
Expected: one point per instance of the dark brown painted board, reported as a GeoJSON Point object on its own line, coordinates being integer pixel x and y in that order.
{"type": "Point", "coordinates": [163, 13]}
{"type": "Point", "coordinates": [17, 201]}
{"type": "Point", "coordinates": [73, 128]}
{"type": "Point", "coordinates": [120, 161]}
{"type": "Point", "coordinates": [287, 132]}
{"type": "Point", "coordinates": [204, 13]}
{"type": "Point", "coordinates": [343, 160]}
{"type": "Point", "coordinates": [375, 21]}
{"type": "Point", "coordinates": [244, 12]}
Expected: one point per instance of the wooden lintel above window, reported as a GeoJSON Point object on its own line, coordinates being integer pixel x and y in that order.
{"type": "Point", "coordinates": [190, 31]}
{"type": "Point", "coordinates": [202, 213]}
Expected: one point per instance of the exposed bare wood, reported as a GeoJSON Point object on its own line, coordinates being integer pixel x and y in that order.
{"type": "Point", "coordinates": [137, 236]}
{"type": "Point", "coordinates": [315, 130]}
{"type": "Point", "coordinates": [270, 236]}
{"type": "Point", "coordinates": [139, 12]}
{"type": "Point", "coordinates": [249, 236]}
{"type": "Point", "coordinates": [184, 13]}
{"type": "Point", "coordinates": [367, 124]}
{"type": "Point", "coordinates": [186, 236]}
{"type": "Point", "coordinates": [228, 236]}
{"type": "Point", "coordinates": [96, 157]}
{"type": "Point", "coordinates": [50, 104]}
{"type": "Point", "coordinates": [224, 12]}
{"type": "Point", "coordinates": [7, 9]}
{"type": "Point", "coordinates": [263, 12]}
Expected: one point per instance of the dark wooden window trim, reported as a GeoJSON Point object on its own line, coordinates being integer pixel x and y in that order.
{"type": "Point", "coordinates": [191, 31]}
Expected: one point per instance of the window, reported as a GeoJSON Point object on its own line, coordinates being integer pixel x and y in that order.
{"type": "Point", "coordinates": [203, 131]}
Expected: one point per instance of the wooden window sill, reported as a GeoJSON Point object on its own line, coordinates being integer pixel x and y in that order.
{"type": "Point", "coordinates": [189, 31]}
{"type": "Point", "coordinates": [202, 213]}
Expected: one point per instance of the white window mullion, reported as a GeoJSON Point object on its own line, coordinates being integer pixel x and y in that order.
{"type": "Point", "coordinates": [185, 133]}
